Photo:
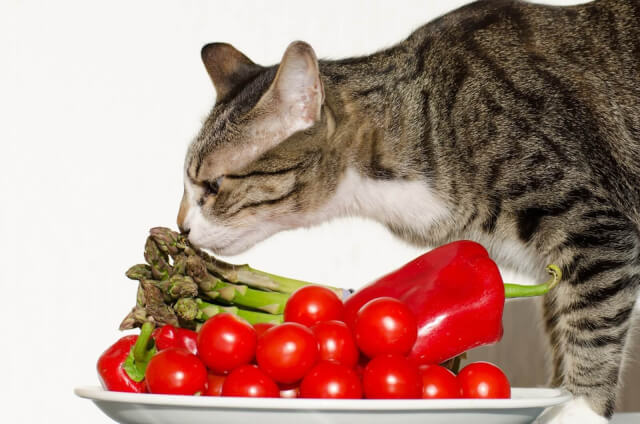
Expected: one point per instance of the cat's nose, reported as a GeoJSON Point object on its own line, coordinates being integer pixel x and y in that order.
{"type": "Point", "coordinates": [182, 215]}
{"type": "Point", "coordinates": [185, 232]}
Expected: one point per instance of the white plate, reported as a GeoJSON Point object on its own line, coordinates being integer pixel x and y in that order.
{"type": "Point", "coordinates": [129, 408]}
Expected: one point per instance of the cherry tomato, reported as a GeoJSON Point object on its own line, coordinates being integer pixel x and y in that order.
{"type": "Point", "coordinates": [170, 336]}
{"type": "Point", "coordinates": [385, 325]}
{"type": "Point", "coordinates": [484, 380]}
{"type": "Point", "coordinates": [311, 304]}
{"type": "Point", "coordinates": [336, 343]}
{"type": "Point", "coordinates": [261, 327]}
{"type": "Point", "coordinates": [214, 385]}
{"type": "Point", "coordinates": [391, 377]}
{"type": "Point", "coordinates": [175, 371]}
{"type": "Point", "coordinates": [438, 383]}
{"type": "Point", "coordinates": [331, 380]}
{"type": "Point", "coordinates": [287, 351]}
{"type": "Point", "coordinates": [289, 391]}
{"type": "Point", "coordinates": [226, 342]}
{"type": "Point", "coordinates": [249, 381]}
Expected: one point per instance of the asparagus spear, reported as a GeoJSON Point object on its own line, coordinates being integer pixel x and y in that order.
{"type": "Point", "coordinates": [179, 265]}
{"type": "Point", "coordinates": [158, 260]}
{"type": "Point", "coordinates": [187, 309]}
{"type": "Point", "coordinates": [215, 288]}
{"type": "Point", "coordinates": [207, 310]}
{"type": "Point", "coordinates": [139, 272]}
{"type": "Point", "coordinates": [177, 286]}
{"type": "Point", "coordinates": [155, 305]}
{"type": "Point", "coordinates": [173, 243]}
{"type": "Point", "coordinates": [135, 318]}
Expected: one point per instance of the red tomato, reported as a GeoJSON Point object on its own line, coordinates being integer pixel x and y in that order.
{"type": "Point", "coordinates": [385, 325]}
{"type": "Point", "coordinates": [331, 380]}
{"type": "Point", "coordinates": [289, 391]}
{"type": "Point", "coordinates": [226, 342]}
{"type": "Point", "coordinates": [391, 377]}
{"type": "Point", "coordinates": [261, 327]}
{"type": "Point", "coordinates": [438, 383]}
{"type": "Point", "coordinates": [311, 304]}
{"type": "Point", "coordinates": [484, 380]}
{"type": "Point", "coordinates": [249, 381]}
{"type": "Point", "coordinates": [214, 385]}
{"type": "Point", "coordinates": [170, 336]}
{"type": "Point", "coordinates": [336, 343]}
{"type": "Point", "coordinates": [175, 371]}
{"type": "Point", "coordinates": [287, 352]}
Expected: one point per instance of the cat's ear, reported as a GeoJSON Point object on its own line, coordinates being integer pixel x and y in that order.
{"type": "Point", "coordinates": [297, 88]}
{"type": "Point", "coordinates": [227, 67]}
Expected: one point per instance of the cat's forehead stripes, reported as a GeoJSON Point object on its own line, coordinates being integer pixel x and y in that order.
{"type": "Point", "coordinates": [220, 127]}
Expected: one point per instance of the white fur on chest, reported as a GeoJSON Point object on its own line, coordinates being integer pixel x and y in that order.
{"type": "Point", "coordinates": [415, 205]}
{"type": "Point", "coordinates": [404, 203]}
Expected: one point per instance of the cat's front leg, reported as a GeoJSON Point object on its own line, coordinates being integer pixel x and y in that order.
{"type": "Point", "coordinates": [588, 320]}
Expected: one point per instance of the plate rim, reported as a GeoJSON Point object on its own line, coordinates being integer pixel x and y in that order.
{"type": "Point", "coordinates": [546, 397]}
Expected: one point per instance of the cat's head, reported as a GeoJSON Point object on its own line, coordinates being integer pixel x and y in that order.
{"type": "Point", "coordinates": [256, 166]}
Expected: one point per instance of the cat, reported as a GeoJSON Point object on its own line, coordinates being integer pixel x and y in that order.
{"type": "Point", "coordinates": [506, 122]}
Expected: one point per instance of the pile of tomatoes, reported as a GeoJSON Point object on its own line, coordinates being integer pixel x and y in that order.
{"type": "Point", "coordinates": [316, 354]}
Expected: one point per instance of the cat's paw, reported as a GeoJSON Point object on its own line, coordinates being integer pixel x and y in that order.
{"type": "Point", "coordinates": [574, 411]}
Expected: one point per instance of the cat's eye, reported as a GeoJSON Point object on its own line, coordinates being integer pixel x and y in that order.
{"type": "Point", "coordinates": [213, 187]}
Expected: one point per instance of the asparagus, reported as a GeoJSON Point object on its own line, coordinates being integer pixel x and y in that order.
{"type": "Point", "coordinates": [139, 272]}
{"type": "Point", "coordinates": [135, 318]}
{"type": "Point", "coordinates": [158, 260]}
{"type": "Point", "coordinates": [207, 310]}
{"type": "Point", "coordinates": [173, 243]}
{"type": "Point", "coordinates": [155, 305]}
{"type": "Point", "coordinates": [186, 309]}
{"type": "Point", "coordinates": [179, 282]}
{"type": "Point", "coordinates": [215, 288]}
{"type": "Point", "coordinates": [179, 265]}
{"type": "Point", "coordinates": [177, 287]}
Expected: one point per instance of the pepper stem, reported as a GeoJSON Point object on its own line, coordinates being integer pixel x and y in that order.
{"type": "Point", "coordinates": [143, 343]}
{"type": "Point", "coordinates": [140, 354]}
{"type": "Point", "coordinates": [517, 290]}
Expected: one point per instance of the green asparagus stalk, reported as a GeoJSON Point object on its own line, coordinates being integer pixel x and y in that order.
{"type": "Point", "coordinates": [177, 286]}
{"type": "Point", "coordinates": [173, 243]}
{"type": "Point", "coordinates": [197, 269]}
{"type": "Point", "coordinates": [179, 265]}
{"type": "Point", "coordinates": [135, 318]}
{"type": "Point", "coordinates": [139, 272]}
{"type": "Point", "coordinates": [158, 260]}
{"type": "Point", "coordinates": [155, 306]}
{"type": "Point", "coordinates": [241, 295]}
{"type": "Point", "coordinates": [169, 241]}
{"type": "Point", "coordinates": [207, 310]}
{"type": "Point", "coordinates": [186, 309]}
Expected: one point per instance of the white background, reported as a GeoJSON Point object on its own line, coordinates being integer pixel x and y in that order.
{"type": "Point", "coordinates": [99, 101]}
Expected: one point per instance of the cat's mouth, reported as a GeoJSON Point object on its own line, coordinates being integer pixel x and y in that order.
{"type": "Point", "coordinates": [222, 243]}
{"type": "Point", "coordinates": [230, 248]}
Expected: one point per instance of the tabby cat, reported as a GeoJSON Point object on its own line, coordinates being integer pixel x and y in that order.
{"type": "Point", "coordinates": [510, 123]}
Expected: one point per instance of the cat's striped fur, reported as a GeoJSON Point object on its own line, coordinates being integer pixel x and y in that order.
{"type": "Point", "coordinates": [511, 123]}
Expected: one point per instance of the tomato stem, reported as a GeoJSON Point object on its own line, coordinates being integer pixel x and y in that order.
{"type": "Point", "coordinates": [517, 290]}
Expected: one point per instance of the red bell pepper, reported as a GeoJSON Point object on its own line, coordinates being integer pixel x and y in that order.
{"type": "Point", "coordinates": [457, 295]}
{"type": "Point", "coordinates": [121, 367]}
{"type": "Point", "coordinates": [170, 336]}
